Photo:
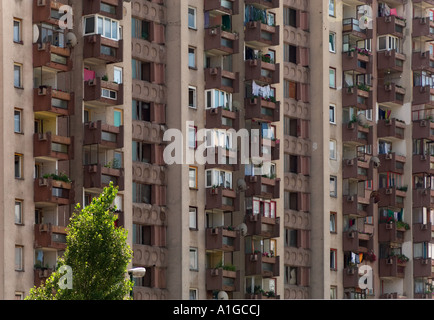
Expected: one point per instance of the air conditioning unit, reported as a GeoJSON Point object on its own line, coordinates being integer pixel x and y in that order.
{"type": "Point", "coordinates": [215, 231]}
{"type": "Point", "coordinates": [388, 19]}
{"type": "Point", "coordinates": [214, 110]}
{"type": "Point", "coordinates": [215, 272]}
{"type": "Point", "coordinates": [93, 125]}
{"type": "Point", "coordinates": [423, 54]}
{"type": "Point", "coordinates": [350, 271]}
{"type": "Point", "coordinates": [424, 226]}
{"type": "Point", "coordinates": [423, 20]}
{"type": "Point", "coordinates": [93, 169]}
{"type": "Point", "coordinates": [389, 226]}
{"type": "Point", "coordinates": [351, 235]}
{"type": "Point", "coordinates": [423, 157]}
{"type": "Point", "coordinates": [213, 71]}
{"type": "Point", "coordinates": [254, 257]}
{"type": "Point", "coordinates": [91, 82]}
{"type": "Point", "coordinates": [389, 156]}
{"type": "Point", "coordinates": [389, 191]}
{"type": "Point", "coordinates": [253, 63]}
{"type": "Point", "coordinates": [350, 162]}
{"type": "Point", "coordinates": [422, 123]}
{"type": "Point", "coordinates": [350, 198]}
{"type": "Point", "coordinates": [425, 261]}
{"type": "Point", "coordinates": [388, 53]}
{"type": "Point", "coordinates": [213, 31]}
{"type": "Point", "coordinates": [389, 261]}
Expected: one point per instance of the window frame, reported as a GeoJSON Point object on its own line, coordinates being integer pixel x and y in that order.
{"type": "Point", "coordinates": [21, 166]}
{"type": "Point", "coordinates": [333, 215]}
{"type": "Point", "coordinates": [192, 104]}
{"type": "Point", "coordinates": [335, 193]}
{"type": "Point", "coordinates": [103, 33]}
{"type": "Point", "coordinates": [20, 80]}
{"type": "Point", "coordinates": [193, 210]}
{"type": "Point", "coordinates": [334, 8]}
{"type": "Point", "coordinates": [20, 112]}
{"type": "Point", "coordinates": [334, 265]}
{"type": "Point", "coordinates": [194, 67]}
{"type": "Point", "coordinates": [334, 84]}
{"type": "Point", "coordinates": [20, 31]}
{"type": "Point", "coordinates": [332, 142]}
{"type": "Point", "coordinates": [195, 266]}
{"type": "Point", "coordinates": [332, 36]}
{"type": "Point", "coordinates": [332, 107]}
{"type": "Point", "coordinates": [21, 205]}
{"type": "Point", "coordinates": [21, 257]}
{"type": "Point", "coordinates": [195, 169]}
{"type": "Point", "coordinates": [194, 27]}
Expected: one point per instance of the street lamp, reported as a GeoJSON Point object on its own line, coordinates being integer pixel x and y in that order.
{"type": "Point", "coordinates": [136, 273]}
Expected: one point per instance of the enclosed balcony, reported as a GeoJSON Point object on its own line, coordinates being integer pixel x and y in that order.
{"type": "Point", "coordinates": [217, 78]}
{"type": "Point", "coordinates": [391, 197]}
{"type": "Point", "coordinates": [423, 129]}
{"type": "Point", "coordinates": [52, 57]}
{"type": "Point", "coordinates": [391, 94]}
{"type": "Point", "coordinates": [423, 95]}
{"type": "Point", "coordinates": [390, 60]}
{"type": "Point", "coordinates": [49, 191]}
{"type": "Point", "coordinates": [105, 135]}
{"type": "Point", "coordinates": [422, 61]}
{"type": "Point", "coordinates": [423, 163]}
{"type": "Point", "coordinates": [224, 239]}
{"type": "Point", "coordinates": [357, 206]}
{"type": "Point", "coordinates": [264, 4]}
{"type": "Point", "coordinates": [222, 118]}
{"type": "Point", "coordinates": [391, 268]}
{"type": "Point", "coordinates": [47, 99]}
{"type": "Point", "coordinates": [103, 93]}
{"type": "Point", "coordinates": [50, 236]}
{"type": "Point", "coordinates": [260, 109]}
{"type": "Point", "coordinates": [357, 170]}
{"type": "Point", "coordinates": [109, 8]}
{"type": "Point", "coordinates": [390, 128]}
{"type": "Point", "coordinates": [392, 25]}
{"type": "Point", "coordinates": [99, 177]}
{"type": "Point", "coordinates": [423, 267]}
{"type": "Point", "coordinates": [258, 186]}
{"type": "Point", "coordinates": [391, 232]}
{"type": "Point", "coordinates": [262, 265]}
{"type": "Point", "coordinates": [221, 7]}
{"type": "Point", "coordinates": [423, 28]}
{"type": "Point", "coordinates": [259, 34]}
{"type": "Point", "coordinates": [222, 199]}
{"type": "Point", "coordinates": [221, 42]}
{"type": "Point", "coordinates": [355, 134]}
{"type": "Point", "coordinates": [260, 225]}
{"type": "Point", "coordinates": [261, 71]}
{"type": "Point", "coordinates": [391, 162]}
{"type": "Point", "coordinates": [53, 147]}
{"type": "Point", "coordinates": [359, 96]}
{"type": "Point", "coordinates": [101, 50]}
{"type": "Point", "coordinates": [223, 280]}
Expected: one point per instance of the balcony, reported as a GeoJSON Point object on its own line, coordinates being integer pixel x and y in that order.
{"type": "Point", "coordinates": [223, 280]}
{"type": "Point", "coordinates": [390, 60]}
{"type": "Point", "coordinates": [100, 50]}
{"type": "Point", "coordinates": [43, 11]}
{"type": "Point", "coordinates": [50, 236]}
{"type": "Point", "coordinates": [40, 275]}
{"type": "Point", "coordinates": [261, 71]}
{"type": "Point", "coordinates": [391, 268]}
{"type": "Point", "coordinates": [423, 267]}
{"type": "Point", "coordinates": [390, 25]}
{"type": "Point", "coordinates": [357, 96]}
{"type": "Point", "coordinates": [351, 27]}
{"type": "Point", "coordinates": [109, 8]}
{"type": "Point", "coordinates": [260, 265]}
{"type": "Point", "coordinates": [103, 134]}
{"type": "Point", "coordinates": [222, 118]}
{"type": "Point", "coordinates": [391, 232]}
{"type": "Point", "coordinates": [391, 128]}
{"type": "Point", "coordinates": [259, 225]}
{"type": "Point", "coordinates": [222, 199]}
{"type": "Point", "coordinates": [423, 163]}
{"type": "Point", "coordinates": [264, 4]}
{"type": "Point", "coordinates": [351, 277]}
{"type": "Point", "coordinates": [258, 34]}
{"type": "Point", "coordinates": [266, 148]}
{"type": "Point", "coordinates": [261, 110]}
{"type": "Point", "coordinates": [356, 61]}
{"type": "Point", "coordinates": [422, 232]}
{"type": "Point", "coordinates": [391, 95]}
{"type": "Point", "coordinates": [103, 93]}
{"type": "Point", "coordinates": [223, 239]}
{"type": "Point", "coordinates": [391, 162]}
{"type": "Point", "coordinates": [217, 78]}
{"type": "Point", "coordinates": [221, 158]}
{"type": "Point", "coordinates": [422, 28]}
{"type": "Point", "coordinates": [357, 206]}
{"type": "Point", "coordinates": [357, 170]}
{"type": "Point", "coordinates": [221, 42]}
{"type": "Point", "coordinates": [258, 186]}
{"type": "Point", "coordinates": [423, 95]}
{"type": "Point", "coordinates": [49, 191]}
{"type": "Point", "coordinates": [99, 177]}
{"type": "Point", "coordinates": [356, 134]}
{"type": "Point", "coordinates": [49, 56]}
{"type": "Point", "coordinates": [261, 296]}
{"type": "Point", "coordinates": [391, 197]}
{"type": "Point", "coordinates": [221, 7]}
{"type": "Point", "coordinates": [357, 242]}
{"type": "Point", "coordinates": [53, 147]}
{"type": "Point", "coordinates": [422, 61]}
{"type": "Point", "coordinates": [47, 99]}
{"type": "Point", "coordinates": [423, 129]}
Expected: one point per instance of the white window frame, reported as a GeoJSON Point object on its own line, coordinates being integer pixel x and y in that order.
{"type": "Point", "coordinates": [192, 212]}
{"type": "Point", "coordinates": [19, 22]}
{"type": "Point", "coordinates": [217, 180]}
{"type": "Point", "coordinates": [334, 180]}
{"type": "Point", "coordinates": [95, 27]}
{"type": "Point", "coordinates": [332, 107]}
{"type": "Point", "coordinates": [120, 71]}
{"type": "Point", "coordinates": [19, 214]}
{"type": "Point", "coordinates": [19, 265]}
{"type": "Point", "coordinates": [195, 294]}
{"type": "Point", "coordinates": [332, 35]}
{"type": "Point", "coordinates": [194, 90]}
{"type": "Point", "coordinates": [191, 169]}
{"type": "Point", "coordinates": [332, 6]}
{"type": "Point", "coordinates": [20, 75]}
{"type": "Point", "coordinates": [193, 258]}
{"type": "Point", "coordinates": [194, 27]}
{"type": "Point", "coordinates": [224, 99]}
{"type": "Point", "coordinates": [104, 92]}
{"type": "Point", "coordinates": [20, 120]}
{"type": "Point", "coordinates": [392, 43]}
{"type": "Point", "coordinates": [333, 153]}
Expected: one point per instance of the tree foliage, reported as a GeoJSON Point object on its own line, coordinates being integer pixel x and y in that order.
{"type": "Point", "coordinates": [98, 253]}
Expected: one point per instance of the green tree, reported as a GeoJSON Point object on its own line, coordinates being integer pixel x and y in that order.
{"type": "Point", "coordinates": [98, 253]}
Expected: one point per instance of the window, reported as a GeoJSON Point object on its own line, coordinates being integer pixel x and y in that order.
{"type": "Point", "coordinates": [192, 102]}
{"type": "Point", "coordinates": [332, 8]}
{"type": "Point", "coordinates": [289, 53]}
{"type": "Point", "coordinates": [141, 110]}
{"type": "Point", "coordinates": [118, 117]}
{"type": "Point", "coordinates": [389, 43]}
{"type": "Point", "coordinates": [291, 275]}
{"type": "Point", "coordinates": [333, 217]}
{"type": "Point", "coordinates": [18, 212]}
{"type": "Point", "coordinates": [19, 265]}
{"type": "Point", "coordinates": [332, 78]}
{"type": "Point", "coordinates": [333, 259]}
{"type": "Point", "coordinates": [193, 294]}
{"type": "Point", "coordinates": [193, 218]}
{"type": "Point", "coordinates": [192, 143]}
{"type": "Point", "coordinates": [106, 27]}
{"type": "Point", "coordinates": [141, 193]}
{"type": "Point", "coordinates": [217, 98]}
{"type": "Point", "coordinates": [192, 57]}
{"type": "Point", "coordinates": [289, 17]}
{"type": "Point", "coordinates": [332, 146]}
{"type": "Point", "coordinates": [18, 166]}
{"type": "Point", "coordinates": [18, 75]}
{"type": "Point", "coordinates": [117, 75]}
{"type": "Point", "coordinates": [192, 177]}
{"type": "Point", "coordinates": [194, 259]}
{"type": "Point", "coordinates": [333, 292]}
{"type": "Point", "coordinates": [219, 178]}
{"type": "Point", "coordinates": [17, 120]}
{"type": "Point", "coordinates": [333, 186]}
{"type": "Point", "coordinates": [332, 114]}
{"type": "Point", "coordinates": [192, 18]}
{"type": "Point", "coordinates": [17, 31]}
{"type": "Point", "coordinates": [19, 295]}
{"type": "Point", "coordinates": [291, 237]}
{"type": "Point", "coordinates": [332, 42]}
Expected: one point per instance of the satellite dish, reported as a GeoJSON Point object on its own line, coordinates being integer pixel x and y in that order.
{"type": "Point", "coordinates": [361, 119]}
{"type": "Point", "coordinates": [375, 161]}
{"type": "Point", "coordinates": [222, 295]}
{"type": "Point", "coordinates": [35, 33]}
{"type": "Point", "coordinates": [243, 228]}
{"type": "Point", "coordinates": [242, 186]}
{"type": "Point", "coordinates": [71, 39]}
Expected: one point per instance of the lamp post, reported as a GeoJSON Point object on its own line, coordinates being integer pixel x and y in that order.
{"type": "Point", "coordinates": [136, 273]}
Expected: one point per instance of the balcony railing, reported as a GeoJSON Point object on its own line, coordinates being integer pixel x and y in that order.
{"type": "Point", "coordinates": [47, 99]}
{"type": "Point", "coordinates": [221, 42]}
{"type": "Point", "coordinates": [99, 177]}
{"type": "Point", "coordinates": [391, 128]}
{"type": "Point", "coordinates": [222, 199]}
{"type": "Point", "coordinates": [50, 236]}
{"type": "Point", "coordinates": [109, 8]}
{"type": "Point", "coordinates": [266, 227]}
{"type": "Point", "coordinates": [261, 35]}
{"type": "Point", "coordinates": [224, 239]}
{"type": "Point", "coordinates": [100, 50]}
{"type": "Point", "coordinates": [103, 93]}
{"type": "Point", "coordinates": [262, 265]}
{"type": "Point", "coordinates": [222, 118]}
{"type": "Point", "coordinates": [49, 56]}
{"type": "Point", "coordinates": [51, 191]}
{"type": "Point", "coordinates": [391, 268]}
{"type": "Point", "coordinates": [217, 78]}
{"type": "Point", "coordinates": [48, 145]}
{"type": "Point", "coordinates": [258, 186]}
{"type": "Point", "coordinates": [261, 71]}
{"type": "Point", "coordinates": [223, 280]}
{"type": "Point", "coordinates": [222, 7]}
{"type": "Point", "coordinates": [391, 162]}
{"type": "Point", "coordinates": [261, 109]}
{"type": "Point", "coordinates": [103, 134]}
{"type": "Point", "coordinates": [392, 25]}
